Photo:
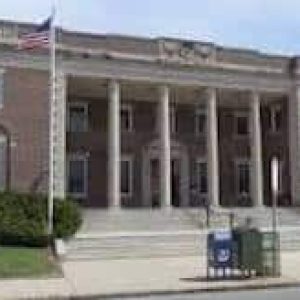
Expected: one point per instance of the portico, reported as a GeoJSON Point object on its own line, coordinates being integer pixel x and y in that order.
{"type": "Point", "coordinates": [170, 119]}
{"type": "Point", "coordinates": [152, 122]}
{"type": "Point", "coordinates": [159, 147]}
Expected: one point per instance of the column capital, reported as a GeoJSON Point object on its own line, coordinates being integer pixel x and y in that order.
{"type": "Point", "coordinates": [210, 92]}
{"type": "Point", "coordinates": [255, 95]}
{"type": "Point", "coordinates": [164, 91]}
{"type": "Point", "coordinates": [113, 84]}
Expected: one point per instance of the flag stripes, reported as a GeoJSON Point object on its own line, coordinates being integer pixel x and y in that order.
{"type": "Point", "coordinates": [37, 39]}
{"type": "Point", "coordinates": [32, 41]}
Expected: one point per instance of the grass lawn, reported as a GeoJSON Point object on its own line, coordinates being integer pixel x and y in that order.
{"type": "Point", "coordinates": [16, 262]}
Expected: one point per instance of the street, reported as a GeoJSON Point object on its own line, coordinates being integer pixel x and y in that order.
{"type": "Point", "coordinates": [274, 294]}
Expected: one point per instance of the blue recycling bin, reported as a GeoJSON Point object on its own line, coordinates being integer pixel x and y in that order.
{"type": "Point", "coordinates": [221, 251]}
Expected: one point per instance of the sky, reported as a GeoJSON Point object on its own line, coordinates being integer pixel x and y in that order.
{"type": "Point", "coordinates": [267, 25]}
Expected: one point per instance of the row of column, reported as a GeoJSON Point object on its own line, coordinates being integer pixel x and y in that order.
{"type": "Point", "coordinates": [165, 153]}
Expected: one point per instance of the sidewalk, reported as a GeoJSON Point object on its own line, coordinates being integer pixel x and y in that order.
{"type": "Point", "coordinates": [145, 276]}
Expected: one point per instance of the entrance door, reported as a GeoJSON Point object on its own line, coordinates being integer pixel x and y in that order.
{"type": "Point", "coordinates": [175, 182]}
{"type": "Point", "coordinates": [155, 182]}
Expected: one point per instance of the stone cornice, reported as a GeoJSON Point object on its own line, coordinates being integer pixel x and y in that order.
{"type": "Point", "coordinates": [154, 72]}
{"type": "Point", "coordinates": [103, 53]}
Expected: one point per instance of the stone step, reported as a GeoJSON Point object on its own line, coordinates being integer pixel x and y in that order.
{"type": "Point", "coordinates": [134, 247]}
{"type": "Point", "coordinates": [155, 244]}
{"type": "Point", "coordinates": [148, 220]}
{"type": "Point", "coordinates": [178, 232]}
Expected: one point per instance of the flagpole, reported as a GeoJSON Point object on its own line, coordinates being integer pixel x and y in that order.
{"type": "Point", "coordinates": [52, 68]}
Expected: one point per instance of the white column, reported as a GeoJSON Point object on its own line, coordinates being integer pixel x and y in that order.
{"type": "Point", "coordinates": [212, 147]}
{"type": "Point", "coordinates": [256, 152]}
{"type": "Point", "coordinates": [59, 136]}
{"type": "Point", "coordinates": [165, 152]}
{"type": "Point", "coordinates": [294, 142]}
{"type": "Point", "coordinates": [113, 144]}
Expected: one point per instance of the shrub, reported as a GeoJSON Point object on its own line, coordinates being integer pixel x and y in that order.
{"type": "Point", "coordinates": [23, 219]}
{"type": "Point", "coordinates": [67, 218]}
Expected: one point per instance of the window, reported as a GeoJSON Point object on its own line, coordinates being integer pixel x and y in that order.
{"type": "Point", "coordinates": [3, 162]}
{"type": "Point", "coordinates": [1, 88]}
{"type": "Point", "coordinates": [126, 176]}
{"type": "Point", "coordinates": [77, 175]}
{"type": "Point", "coordinates": [201, 175]}
{"type": "Point", "coordinates": [200, 121]}
{"type": "Point", "coordinates": [275, 118]}
{"type": "Point", "coordinates": [126, 118]}
{"type": "Point", "coordinates": [173, 119]}
{"type": "Point", "coordinates": [243, 178]}
{"type": "Point", "coordinates": [280, 175]}
{"type": "Point", "coordinates": [241, 124]}
{"type": "Point", "coordinates": [78, 117]}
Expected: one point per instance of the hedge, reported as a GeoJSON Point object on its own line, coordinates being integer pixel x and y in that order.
{"type": "Point", "coordinates": [23, 219]}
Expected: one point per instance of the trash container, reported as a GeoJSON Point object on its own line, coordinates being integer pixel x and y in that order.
{"type": "Point", "coordinates": [270, 254]}
{"type": "Point", "coordinates": [248, 249]}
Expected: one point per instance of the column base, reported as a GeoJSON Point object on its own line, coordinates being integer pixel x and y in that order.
{"type": "Point", "coordinates": [114, 209]}
{"type": "Point", "coordinates": [166, 209]}
{"type": "Point", "coordinates": [259, 207]}
{"type": "Point", "coordinates": [215, 208]}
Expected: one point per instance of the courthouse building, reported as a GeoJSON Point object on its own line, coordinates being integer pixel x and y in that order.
{"type": "Point", "coordinates": [149, 122]}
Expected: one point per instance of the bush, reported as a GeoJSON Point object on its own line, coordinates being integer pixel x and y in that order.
{"type": "Point", "coordinates": [67, 218]}
{"type": "Point", "coordinates": [23, 219]}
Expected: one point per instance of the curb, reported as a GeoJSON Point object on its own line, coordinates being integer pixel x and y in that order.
{"type": "Point", "coordinates": [213, 289]}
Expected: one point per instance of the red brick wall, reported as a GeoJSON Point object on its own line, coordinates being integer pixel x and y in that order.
{"type": "Point", "coordinates": [25, 118]}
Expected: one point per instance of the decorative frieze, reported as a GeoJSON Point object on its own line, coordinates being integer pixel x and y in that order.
{"type": "Point", "coordinates": [186, 52]}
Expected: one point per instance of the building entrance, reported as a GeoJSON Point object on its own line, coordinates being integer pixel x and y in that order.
{"type": "Point", "coordinates": [155, 182]}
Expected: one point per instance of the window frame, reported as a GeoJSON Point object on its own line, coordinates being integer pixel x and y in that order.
{"type": "Point", "coordinates": [129, 159]}
{"type": "Point", "coordinates": [173, 118]}
{"type": "Point", "coordinates": [84, 158]}
{"type": "Point", "coordinates": [281, 167]}
{"type": "Point", "coordinates": [237, 115]}
{"type": "Point", "coordinates": [85, 106]}
{"type": "Point", "coordinates": [238, 163]}
{"type": "Point", "coordinates": [273, 109]}
{"type": "Point", "coordinates": [200, 111]}
{"type": "Point", "coordinates": [201, 160]}
{"type": "Point", "coordinates": [127, 107]}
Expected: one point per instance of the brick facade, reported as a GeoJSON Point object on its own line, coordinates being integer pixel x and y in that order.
{"type": "Point", "coordinates": [87, 62]}
{"type": "Point", "coordinates": [24, 119]}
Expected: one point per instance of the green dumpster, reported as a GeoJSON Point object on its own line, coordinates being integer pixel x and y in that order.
{"type": "Point", "coordinates": [248, 245]}
{"type": "Point", "coordinates": [270, 254]}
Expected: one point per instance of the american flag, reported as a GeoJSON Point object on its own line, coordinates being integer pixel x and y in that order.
{"type": "Point", "coordinates": [37, 39]}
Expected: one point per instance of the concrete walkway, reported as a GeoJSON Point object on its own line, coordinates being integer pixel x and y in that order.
{"type": "Point", "coordinates": [146, 276]}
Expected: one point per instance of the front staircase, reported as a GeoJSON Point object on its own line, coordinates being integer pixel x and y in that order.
{"type": "Point", "coordinates": [142, 233]}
